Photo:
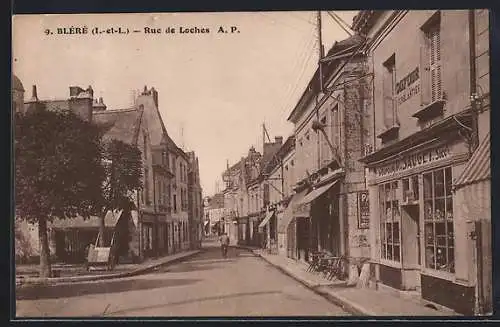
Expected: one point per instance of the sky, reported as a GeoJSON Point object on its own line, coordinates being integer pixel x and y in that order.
{"type": "Point", "coordinates": [215, 89]}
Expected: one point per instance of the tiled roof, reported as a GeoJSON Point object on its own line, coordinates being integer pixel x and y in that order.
{"type": "Point", "coordinates": [56, 104]}
{"type": "Point", "coordinates": [92, 222]}
{"type": "Point", "coordinates": [120, 124]}
{"type": "Point", "coordinates": [479, 167]}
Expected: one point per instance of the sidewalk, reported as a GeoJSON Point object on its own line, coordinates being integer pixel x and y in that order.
{"type": "Point", "coordinates": [121, 271]}
{"type": "Point", "coordinates": [358, 301]}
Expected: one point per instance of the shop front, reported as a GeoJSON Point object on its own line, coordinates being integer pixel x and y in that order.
{"type": "Point", "coordinates": [416, 220]}
{"type": "Point", "coordinates": [287, 225]}
{"type": "Point", "coordinates": [324, 230]}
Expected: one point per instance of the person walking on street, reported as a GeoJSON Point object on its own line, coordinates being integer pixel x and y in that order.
{"type": "Point", "coordinates": [224, 243]}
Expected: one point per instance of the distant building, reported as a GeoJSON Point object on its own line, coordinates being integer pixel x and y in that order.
{"type": "Point", "coordinates": [195, 201]}
{"type": "Point", "coordinates": [17, 94]}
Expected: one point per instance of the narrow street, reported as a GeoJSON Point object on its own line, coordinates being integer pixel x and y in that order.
{"type": "Point", "coordinates": [204, 285]}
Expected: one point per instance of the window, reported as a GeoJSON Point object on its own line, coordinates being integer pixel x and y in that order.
{"type": "Point", "coordinates": [145, 146]}
{"type": "Point", "coordinates": [438, 220]}
{"type": "Point", "coordinates": [431, 61]}
{"type": "Point", "coordinates": [388, 84]}
{"type": "Point", "coordinates": [335, 125]}
{"type": "Point", "coordinates": [390, 219]}
{"type": "Point", "coordinates": [146, 186]}
{"type": "Point", "coordinates": [175, 203]}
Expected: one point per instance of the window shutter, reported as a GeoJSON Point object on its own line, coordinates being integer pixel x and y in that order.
{"type": "Point", "coordinates": [388, 99]}
{"type": "Point", "coordinates": [435, 64]}
{"type": "Point", "coordinates": [424, 74]}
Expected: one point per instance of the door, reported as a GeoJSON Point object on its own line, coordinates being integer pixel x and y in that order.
{"type": "Point", "coordinates": [411, 251]}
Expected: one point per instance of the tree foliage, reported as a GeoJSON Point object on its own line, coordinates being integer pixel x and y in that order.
{"type": "Point", "coordinates": [58, 169]}
{"type": "Point", "coordinates": [123, 171]}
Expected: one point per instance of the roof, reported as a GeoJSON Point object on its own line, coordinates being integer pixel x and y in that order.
{"type": "Point", "coordinates": [92, 222]}
{"type": "Point", "coordinates": [122, 124]}
{"type": "Point", "coordinates": [478, 167]}
{"type": "Point", "coordinates": [347, 46]}
{"type": "Point", "coordinates": [55, 104]}
{"type": "Point", "coordinates": [16, 84]}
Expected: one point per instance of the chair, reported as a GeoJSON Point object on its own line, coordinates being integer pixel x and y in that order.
{"type": "Point", "coordinates": [314, 261]}
{"type": "Point", "coordinates": [337, 268]}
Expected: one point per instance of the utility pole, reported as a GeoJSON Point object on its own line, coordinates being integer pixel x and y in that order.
{"type": "Point", "coordinates": [320, 71]}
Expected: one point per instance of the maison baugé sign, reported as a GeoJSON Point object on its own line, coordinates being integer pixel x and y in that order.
{"type": "Point", "coordinates": [408, 86]}
{"type": "Point", "coordinates": [414, 160]}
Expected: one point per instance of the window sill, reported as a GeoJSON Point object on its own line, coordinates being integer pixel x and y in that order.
{"type": "Point", "coordinates": [389, 134]}
{"type": "Point", "coordinates": [439, 274]}
{"type": "Point", "coordinates": [430, 111]}
{"type": "Point", "coordinates": [390, 263]}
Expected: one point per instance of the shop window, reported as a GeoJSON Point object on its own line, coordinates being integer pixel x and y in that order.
{"type": "Point", "coordinates": [438, 224]}
{"type": "Point", "coordinates": [390, 221]}
{"type": "Point", "coordinates": [410, 190]}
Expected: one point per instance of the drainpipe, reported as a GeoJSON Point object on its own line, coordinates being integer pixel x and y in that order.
{"type": "Point", "coordinates": [473, 87]}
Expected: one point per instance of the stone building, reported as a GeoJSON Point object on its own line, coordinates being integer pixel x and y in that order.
{"type": "Point", "coordinates": [327, 211]}
{"type": "Point", "coordinates": [195, 202]}
{"type": "Point", "coordinates": [280, 178]}
{"type": "Point", "coordinates": [159, 225]}
{"type": "Point", "coordinates": [17, 95]}
{"type": "Point", "coordinates": [428, 180]}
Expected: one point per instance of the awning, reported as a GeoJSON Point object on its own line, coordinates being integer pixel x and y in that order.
{"type": "Point", "coordinates": [289, 211]}
{"type": "Point", "coordinates": [317, 192]}
{"type": "Point", "coordinates": [110, 220]}
{"type": "Point", "coordinates": [266, 219]}
{"type": "Point", "coordinates": [478, 168]}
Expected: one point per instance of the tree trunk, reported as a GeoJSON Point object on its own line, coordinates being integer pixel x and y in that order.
{"type": "Point", "coordinates": [102, 229]}
{"type": "Point", "coordinates": [45, 268]}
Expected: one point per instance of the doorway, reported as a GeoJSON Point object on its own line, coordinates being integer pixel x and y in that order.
{"type": "Point", "coordinates": [411, 250]}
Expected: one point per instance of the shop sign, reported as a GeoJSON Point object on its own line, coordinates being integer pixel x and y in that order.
{"type": "Point", "coordinates": [363, 210]}
{"type": "Point", "coordinates": [408, 87]}
{"type": "Point", "coordinates": [414, 160]}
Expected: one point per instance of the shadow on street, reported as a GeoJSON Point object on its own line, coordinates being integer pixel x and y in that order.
{"type": "Point", "coordinates": [201, 299]}
{"type": "Point", "coordinates": [105, 287]}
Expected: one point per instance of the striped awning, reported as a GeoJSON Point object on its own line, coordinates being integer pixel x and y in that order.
{"type": "Point", "coordinates": [478, 167]}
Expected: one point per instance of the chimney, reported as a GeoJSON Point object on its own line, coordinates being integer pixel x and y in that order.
{"type": "Point", "coordinates": [34, 96]}
{"type": "Point", "coordinates": [74, 91]}
{"type": "Point", "coordinates": [278, 139]}
{"type": "Point", "coordinates": [155, 96]}
{"type": "Point", "coordinates": [99, 105]}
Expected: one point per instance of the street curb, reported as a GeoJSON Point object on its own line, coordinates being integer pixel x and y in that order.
{"type": "Point", "coordinates": [345, 304]}
{"type": "Point", "coordinates": [136, 272]}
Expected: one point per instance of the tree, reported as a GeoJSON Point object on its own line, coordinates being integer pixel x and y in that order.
{"type": "Point", "coordinates": [58, 170]}
{"type": "Point", "coordinates": [123, 176]}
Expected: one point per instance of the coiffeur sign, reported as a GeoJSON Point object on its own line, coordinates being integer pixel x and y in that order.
{"type": "Point", "coordinates": [414, 160]}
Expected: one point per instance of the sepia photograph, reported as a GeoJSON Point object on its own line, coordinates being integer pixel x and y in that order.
{"type": "Point", "coordinates": [324, 163]}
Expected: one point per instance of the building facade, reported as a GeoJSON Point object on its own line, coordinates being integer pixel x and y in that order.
{"type": "Point", "coordinates": [327, 211]}
{"type": "Point", "coordinates": [430, 110]}
{"type": "Point", "coordinates": [159, 224]}
{"type": "Point", "coordinates": [195, 202]}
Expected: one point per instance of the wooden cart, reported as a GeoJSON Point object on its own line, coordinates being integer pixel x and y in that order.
{"type": "Point", "coordinates": [101, 256]}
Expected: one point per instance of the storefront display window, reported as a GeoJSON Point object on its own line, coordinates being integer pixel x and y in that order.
{"type": "Point", "coordinates": [438, 216]}
{"type": "Point", "coordinates": [390, 221]}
